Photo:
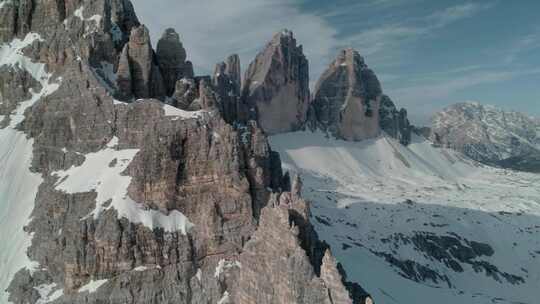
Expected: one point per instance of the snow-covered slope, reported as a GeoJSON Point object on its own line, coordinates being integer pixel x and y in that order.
{"type": "Point", "coordinates": [490, 135]}
{"type": "Point", "coordinates": [420, 224]}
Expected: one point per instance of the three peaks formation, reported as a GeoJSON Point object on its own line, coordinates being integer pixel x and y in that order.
{"type": "Point", "coordinates": [126, 178]}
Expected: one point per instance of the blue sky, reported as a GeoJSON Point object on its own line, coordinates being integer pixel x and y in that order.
{"type": "Point", "coordinates": [428, 54]}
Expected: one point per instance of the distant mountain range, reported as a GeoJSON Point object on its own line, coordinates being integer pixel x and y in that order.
{"type": "Point", "coordinates": [490, 135]}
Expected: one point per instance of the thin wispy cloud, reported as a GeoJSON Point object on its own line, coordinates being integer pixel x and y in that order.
{"type": "Point", "coordinates": [394, 36]}
{"type": "Point", "coordinates": [379, 40]}
{"type": "Point", "coordinates": [213, 29]}
{"type": "Point", "coordinates": [522, 45]}
{"type": "Point", "coordinates": [426, 96]}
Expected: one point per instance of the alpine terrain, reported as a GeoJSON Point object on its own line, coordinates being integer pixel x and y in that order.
{"type": "Point", "coordinates": [490, 135]}
{"type": "Point", "coordinates": [126, 178]}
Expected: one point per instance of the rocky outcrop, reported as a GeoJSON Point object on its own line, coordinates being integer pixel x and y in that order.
{"type": "Point", "coordinates": [138, 64]}
{"type": "Point", "coordinates": [348, 102]}
{"type": "Point", "coordinates": [142, 201]}
{"type": "Point", "coordinates": [489, 135]}
{"type": "Point", "coordinates": [278, 249]}
{"type": "Point", "coordinates": [276, 85]}
{"type": "Point", "coordinates": [394, 122]}
{"type": "Point", "coordinates": [226, 81]}
{"type": "Point", "coordinates": [171, 56]}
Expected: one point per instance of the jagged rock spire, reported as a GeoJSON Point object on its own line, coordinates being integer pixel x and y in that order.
{"type": "Point", "coordinates": [226, 82]}
{"type": "Point", "coordinates": [346, 98]}
{"type": "Point", "coordinates": [276, 85]}
{"type": "Point", "coordinates": [171, 56]}
{"type": "Point", "coordinates": [349, 103]}
{"type": "Point", "coordinates": [232, 69]}
{"type": "Point", "coordinates": [142, 69]}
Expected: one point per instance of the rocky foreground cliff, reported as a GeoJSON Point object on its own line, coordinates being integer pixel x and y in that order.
{"type": "Point", "coordinates": [127, 179]}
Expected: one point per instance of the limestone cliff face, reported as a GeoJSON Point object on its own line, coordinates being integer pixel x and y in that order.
{"type": "Point", "coordinates": [144, 201]}
{"type": "Point", "coordinates": [348, 102]}
{"type": "Point", "coordinates": [276, 85]}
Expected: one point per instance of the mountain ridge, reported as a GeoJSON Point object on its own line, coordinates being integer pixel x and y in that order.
{"type": "Point", "coordinates": [490, 135]}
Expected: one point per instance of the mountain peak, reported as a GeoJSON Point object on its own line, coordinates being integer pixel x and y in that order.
{"type": "Point", "coordinates": [489, 134]}
{"type": "Point", "coordinates": [276, 85]}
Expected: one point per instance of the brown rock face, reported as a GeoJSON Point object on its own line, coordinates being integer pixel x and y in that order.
{"type": "Point", "coordinates": [232, 69]}
{"type": "Point", "coordinates": [172, 60]}
{"type": "Point", "coordinates": [347, 98]}
{"type": "Point", "coordinates": [348, 102]}
{"type": "Point", "coordinates": [276, 85]}
{"type": "Point", "coordinates": [290, 268]}
{"type": "Point", "coordinates": [226, 81]}
{"type": "Point", "coordinates": [141, 62]}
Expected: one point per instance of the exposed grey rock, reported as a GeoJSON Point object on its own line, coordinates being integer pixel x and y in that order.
{"type": "Point", "coordinates": [8, 21]}
{"type": "Point", "coordinates": [394, 122]}
{"type": "Point", "coordinates": [347, 98]}
{"type": "Point", "coordinates": [145, 74]}
{"type": "Point", "coordinates": [186, 91]}
{"type": "Point", "coordinates": [123, 75]}
{"type": "Point", "coordinates": [232, 69]}
{"type": "Point", "coordinates": [348, 102]}
{"type": "Point", "coordinates": [171, 56]}
{"type": "Point", "coordinates": [276, 85]}
{"type": "Point", "coordinates": [226, 81]}
{"type": "Point", "coordinates": [15, 86]}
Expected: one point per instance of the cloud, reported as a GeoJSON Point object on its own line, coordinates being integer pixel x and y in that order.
{"type": "Point", "coordinates": [521, 46]}
{"type": "Point", "coordinates": [382, 42]}
{"type": "Point", "coordinates": [455, 13]}
{"type": "Point", "coordinates": [427, 97]}
{"type": "Point", "coordinates": [213, 29]}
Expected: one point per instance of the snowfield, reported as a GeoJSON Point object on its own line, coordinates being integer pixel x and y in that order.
{"type": "Point", "coordinates": [420, 224]}
{"type": "Point", "coordinates": [18, 185]}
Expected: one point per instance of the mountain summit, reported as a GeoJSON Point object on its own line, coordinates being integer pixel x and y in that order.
{"type": "Point", "coordinates": [490, 135]}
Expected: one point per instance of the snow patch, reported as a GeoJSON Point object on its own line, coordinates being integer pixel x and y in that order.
{"type": "Point", "coordinates": [102, 172]}
{"type": "Point", "coordinates": [176, 112]}
{"type": "Point", "coordinates": [18, 185]}
{"type": "Point", "coordinates": [225, 299]}
{"type": "Point", "coordinates": [79, 13]}
{"type": "Point", "coordinates": [4, 3]}
{"type": "Point", "coordinates": [92, 286]}
{"type": "Point", "coordinates": [224, 265]}
{"type": "Point", "coordinates": [47, 293]}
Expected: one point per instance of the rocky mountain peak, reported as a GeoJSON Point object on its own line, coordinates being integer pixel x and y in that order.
{"type": "Point", "coordinates": [276, 85]}
{"type": "Point", "coordinates": [348, 102]}
{"type": "Point", "coordinates": [232, 69]}
{"type": "Point", "coordinates": [171, 57]}
{"type": "Point", "coordinates": [489, 135]}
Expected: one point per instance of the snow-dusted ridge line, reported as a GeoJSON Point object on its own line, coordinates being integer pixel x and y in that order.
{"type": "Point", "coordinates": [18, 185]}
{"type": "Point", "coordinates": [102, 172]}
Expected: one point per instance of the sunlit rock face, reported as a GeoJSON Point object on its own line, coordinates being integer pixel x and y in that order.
{"type": "Point", "coordinates": [348, 102]}
{"type": "Point", "coordinates": [276, 85]}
